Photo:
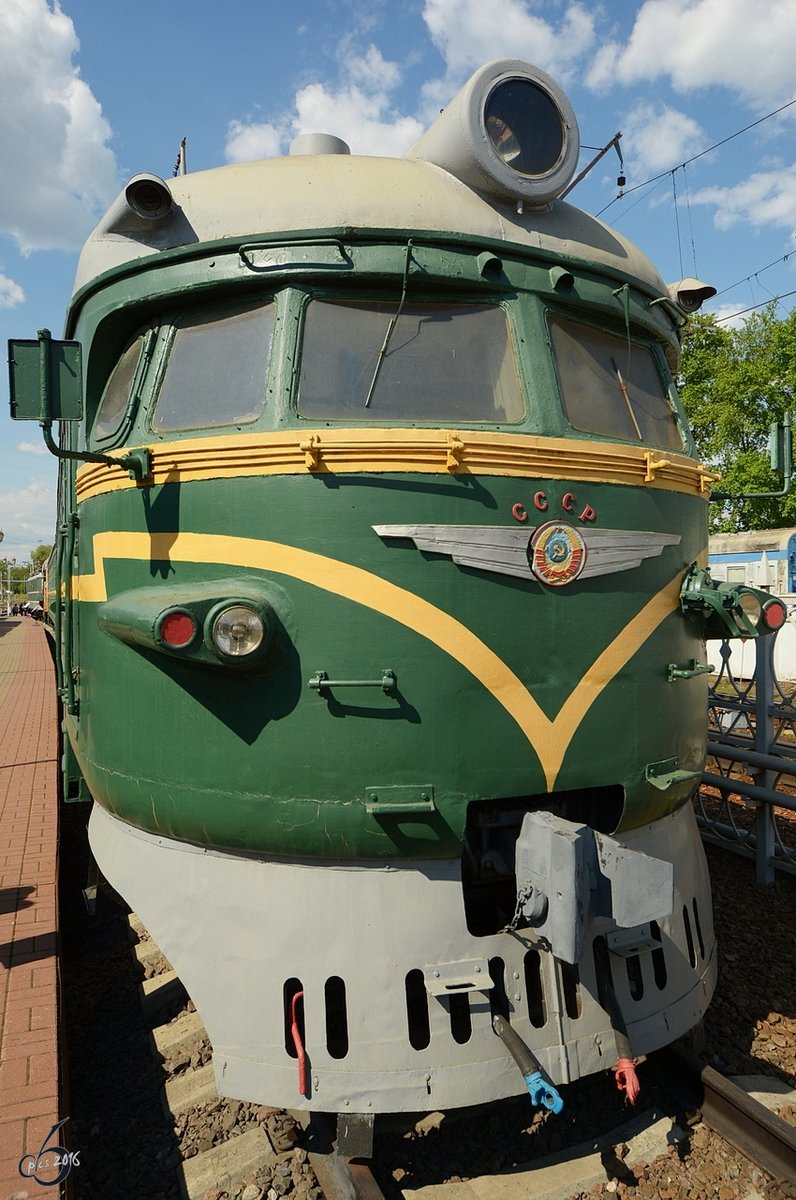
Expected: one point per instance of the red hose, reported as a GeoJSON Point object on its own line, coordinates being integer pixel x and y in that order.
{"type": "Point", "coordinates": [295, 1033]}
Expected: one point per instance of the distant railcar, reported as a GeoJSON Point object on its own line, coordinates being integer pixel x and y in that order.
{"type": "Point", "coordinates": [381, 600]}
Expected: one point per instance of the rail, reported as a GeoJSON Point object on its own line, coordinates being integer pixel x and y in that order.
{"type": "Point", "coordinates": [764, 1137]}
{"type": "Point", "coordinates": [747, 801]}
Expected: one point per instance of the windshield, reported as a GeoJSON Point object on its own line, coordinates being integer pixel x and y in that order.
{"type": "Point", "coordinates": [443, 362]}
{"type": "Point", "coordinates": [216, 369]}
{"type": "Point", "coordinates": [612, 386]}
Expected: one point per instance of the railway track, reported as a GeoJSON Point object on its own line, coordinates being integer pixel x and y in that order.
{"type": "Point", "coordinates": [727, 1109]}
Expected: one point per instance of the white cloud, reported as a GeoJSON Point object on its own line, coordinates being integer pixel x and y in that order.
{"type": "Point", "coordinates": [11, 294]}
{"type": "Point", "coordinates": [32, 448]}
{"type": "Point", "coordinates": [359, 110]}
{"type": "Point", "coordinates": [704, 43]}
{"type": "Point", "coordinates": [28, 517]}
{"type": "Point", "coordinates": [469, 33]}
{"type": "Point", "coordinates": [764, 199]}
{"type": "Point", "coordinates": [730, 315]}
{"type": "Point", "coordinates": [655, 137]}
{"type": "Point", "coordinates": [59, 171]}
{"type": "Point", "coordinates": [364, 119]}
{"type": "Point", "coordinates": [255, 140]}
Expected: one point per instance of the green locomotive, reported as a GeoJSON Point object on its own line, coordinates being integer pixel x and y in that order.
{"type": "Point", "coordinates": [380, 602]}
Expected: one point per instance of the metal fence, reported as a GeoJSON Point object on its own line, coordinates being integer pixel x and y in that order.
{"type": "Point", "coordinates": [747, 801]}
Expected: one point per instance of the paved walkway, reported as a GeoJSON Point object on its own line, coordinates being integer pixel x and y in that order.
{"type": "Point", "coordinates": [29, 1061]}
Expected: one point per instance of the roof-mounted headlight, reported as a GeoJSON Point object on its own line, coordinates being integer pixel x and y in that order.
{"type": "Point", "coordinates": [510, 131]}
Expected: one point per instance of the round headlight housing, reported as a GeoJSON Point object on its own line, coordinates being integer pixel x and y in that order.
{"type": "Point", "coordinates": [510, 132]}
{"type": "Point", "coordinates": [751, 608]}
{"type": "Point", "coordinates": [237, 631]}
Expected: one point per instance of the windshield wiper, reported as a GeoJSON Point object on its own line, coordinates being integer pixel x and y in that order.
{"type": "Point", "coordinates": [624, 391]}
{"type": "Point", "coordinates": [393, 322]}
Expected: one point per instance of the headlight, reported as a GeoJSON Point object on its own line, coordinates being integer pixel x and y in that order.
{"type": "Point", "coordinates": [238, 631]}
{"type": "Point", "coordinates": [751, 607]}
{"type": "Point", "coordinates": [524, 126]}
{"type": "Point", "coordinates": [510, 132]}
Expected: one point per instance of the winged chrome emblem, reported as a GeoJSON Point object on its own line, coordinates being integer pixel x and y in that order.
{"type": "Point", "coordinates": [556, 553]}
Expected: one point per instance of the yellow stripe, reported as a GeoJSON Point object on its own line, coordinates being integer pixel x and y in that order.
{"type": "Point", "coordinates": [549, 739]}
{"type": "Point", "coordinates": [424, 451]}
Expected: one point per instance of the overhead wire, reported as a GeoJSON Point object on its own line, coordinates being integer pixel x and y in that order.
{"type": "Point", "coordinates": [752, 307]}
{"type": "Point", "coordinates": [701, 154]}
{"type": "Point", "coordinates": [754, 274]}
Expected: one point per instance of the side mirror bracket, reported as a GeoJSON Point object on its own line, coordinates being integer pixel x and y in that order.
{"type": "Point", "coordinates": [46, 385]}
{"type": "Point", "coordinates": [780, 450]}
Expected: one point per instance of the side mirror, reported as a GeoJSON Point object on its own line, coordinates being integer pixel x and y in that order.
{"type": "Point", "coordinates": [780, 447]}
{"type": "Point", "coordinates": [46, 385]}
{"type": "Point", "coordinates": [780, 452]}
{"type": "Point", "coordinates": [45, 379]}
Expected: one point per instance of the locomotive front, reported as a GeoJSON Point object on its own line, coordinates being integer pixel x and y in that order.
{"type": "Point", "coordinates": [383, 660]}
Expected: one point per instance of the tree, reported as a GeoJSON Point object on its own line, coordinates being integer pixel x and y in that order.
{"type": "Point", "coordinates": [15, 574]}
{"type": "Point", "coordinates": [38, 557]}
{"type": "Point", "coordinates": [734, 383]}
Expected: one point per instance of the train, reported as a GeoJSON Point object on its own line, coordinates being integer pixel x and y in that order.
{"type": "Point", "coordinates": [380, 597]}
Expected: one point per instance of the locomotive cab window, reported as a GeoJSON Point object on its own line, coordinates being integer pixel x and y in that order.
{"type": "Point", "coordinates": [116, 397]}
{"type": "Point", "coordinates": [215, 373]}
{"type": "Point", "coordinates": [612, 387]}
{"type": "Point", "coordinates": [429, 362]}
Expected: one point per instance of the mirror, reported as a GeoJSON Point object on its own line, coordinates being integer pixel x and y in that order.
{"type": "Point", "coordinates": [45, 379]}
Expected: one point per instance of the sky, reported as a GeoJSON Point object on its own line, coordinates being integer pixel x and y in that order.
{"type": "Point", "coordinates": [93, 92]}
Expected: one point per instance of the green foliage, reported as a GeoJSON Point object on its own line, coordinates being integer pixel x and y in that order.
{"type": "Point", "coordinates": [38, 557]}
{"type": "Point", "coordinates": [734, 383]}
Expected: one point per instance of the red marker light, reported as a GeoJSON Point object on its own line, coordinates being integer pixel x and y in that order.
{"type": "Point", "coordinates": [177, 629]}
{"type": "Point", "coordinates": [775, 614]}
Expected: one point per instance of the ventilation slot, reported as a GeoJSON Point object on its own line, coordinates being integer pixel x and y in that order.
{"type": "Point", "coordinates": [658, 958]}
{"type": "Point", "coordinates": [292, 988]}
{"type": "Point", "coordinates": [689, 937]}
{"type": "Point", "coordinates": [570, 982]}
{"type": "Point", "coordinates": [698, 928]}
{"type": "Point", "coordinates": [603, 969]}
{"type": "Point", "coordinates": [461, 1024]}
{"type": "Point", "coordinates": [498, 1000]}
{"type": "Point", "coordinates": [635, 979]}
{"type": "Point", "coordinates": [336, 1017]}
{"type": "Point", "coordinates": [534, 989]}
{"type": "Point", "coordinates": [417, 1020]}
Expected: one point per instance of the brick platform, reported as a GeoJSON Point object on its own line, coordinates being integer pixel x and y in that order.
{"type": "Point", "coordinates": [29, 1056]}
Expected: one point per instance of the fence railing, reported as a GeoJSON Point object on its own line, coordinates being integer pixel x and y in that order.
{"type": "Point", "coordinates": [747, 801]}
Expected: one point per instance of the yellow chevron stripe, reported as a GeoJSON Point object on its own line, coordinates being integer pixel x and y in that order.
{"type": "Point", "coordinates": [549, 739]}
{"type": "Point", "coordinates": [424, 451]}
